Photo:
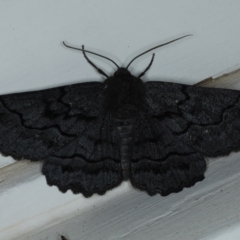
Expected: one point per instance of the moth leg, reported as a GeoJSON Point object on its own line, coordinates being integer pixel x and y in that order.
{"type": "Point", "coordinates": [91, 63]}
{"type": "Point", "coordinates": [147, 68]}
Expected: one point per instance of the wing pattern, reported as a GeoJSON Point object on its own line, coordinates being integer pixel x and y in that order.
{"type": "Point", "coordinates": [78, 140]}
{"type": "Point", "coordinates": [180, 126]}
{"type": "Point", "coordinates": [64, 127]}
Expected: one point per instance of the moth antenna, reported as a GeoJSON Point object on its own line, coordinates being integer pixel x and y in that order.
{"type": "Point", "coordinates": [91, 63]}
{"type": "Point", "coordinates": [157, 47]}
{"type": "Point", "coordinates": [91, 53]}
{"type": "Point", "coordinates": [149, 65]}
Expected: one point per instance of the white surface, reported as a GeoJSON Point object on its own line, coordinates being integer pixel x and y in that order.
{"type": "Point", "coordinates": [32, 57]}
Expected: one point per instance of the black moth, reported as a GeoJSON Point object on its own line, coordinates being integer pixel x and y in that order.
{"type": "Point", "coordinates": [92, 136]}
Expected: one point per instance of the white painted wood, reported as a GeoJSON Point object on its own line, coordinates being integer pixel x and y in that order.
{"type": "Point", "coordinates": [32, 57]}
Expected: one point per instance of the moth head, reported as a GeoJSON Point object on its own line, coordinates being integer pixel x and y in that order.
{"type": "Point", "coordinates": [121, 72]}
